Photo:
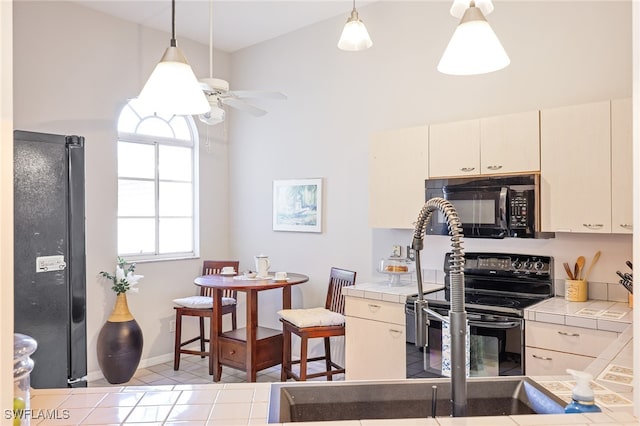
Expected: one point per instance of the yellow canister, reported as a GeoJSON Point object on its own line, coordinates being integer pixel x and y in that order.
{"type": "Point", "coordinates": [575, 290]}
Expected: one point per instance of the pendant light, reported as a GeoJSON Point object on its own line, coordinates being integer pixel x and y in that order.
{"type": "Point", "coordinates": [173, 88]}
{"type": "Point", "coordinates": [354, 34]}
{"type": "Point", "coordinates": [474, 47]}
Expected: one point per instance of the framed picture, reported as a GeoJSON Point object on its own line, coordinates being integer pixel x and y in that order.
{"type": "Point", "coordinates": [297, 205]}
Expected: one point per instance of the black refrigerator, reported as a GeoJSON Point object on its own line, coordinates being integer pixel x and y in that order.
{"type": "Point", "coordinates": [49, 255]}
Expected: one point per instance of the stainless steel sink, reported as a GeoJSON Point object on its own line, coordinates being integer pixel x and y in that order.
{"type": "Point", "coordinates": [325, 401]}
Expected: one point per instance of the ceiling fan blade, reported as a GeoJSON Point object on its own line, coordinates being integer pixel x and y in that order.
{"type": "Point", "coordinates": [258, 94]}
{"type": "Point", "coordinates": [243, 106]}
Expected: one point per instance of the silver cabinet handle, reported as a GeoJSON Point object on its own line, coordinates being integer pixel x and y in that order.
{"type": "Point", "coordinates": [564, 333]}
{"type": "Point", "coordinates": [468, 169]}
{"type": "Point", "coordinates": [373, 307]}
{"type": "Point", "coordinates": [496, 167]}
{"type": "Point", "coordinates": [544, 358]}
{"type": "Point", "coordinates": [626, 226]}
{"type": "Point", "coordinates": [593, 225]}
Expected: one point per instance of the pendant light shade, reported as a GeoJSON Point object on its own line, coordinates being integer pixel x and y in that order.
{"type": "Point", "coordinates": [474, 47]}
{"type": "Point", "coordinates": [172, 87]}
{"type": "Point", "coordinates": [354, 34]}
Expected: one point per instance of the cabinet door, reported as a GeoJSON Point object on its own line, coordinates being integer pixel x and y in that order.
{"type": "Point", "coordinates": [621, 166]}
{"type": "Point", "coordinates": [374, 350]}
{"type": "Point", "coordinates": [454, 149]}
{"type": "Point", "coordinates": [575, 153]}
{"type": "Point", "coordinates": [510, 143]}
{"type": "Point", "coordinates": [397, 171]}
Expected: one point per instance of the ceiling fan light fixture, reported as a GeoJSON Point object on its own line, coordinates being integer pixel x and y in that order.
{"type": "Point", "coordinates": [215, 115]}
{"type": "Point", "coordinates": [172, 87]}
{"type": "Point", "coordinates": [474, 47]}
{"type": "Point", "coordinates": [460, 6]}
{"type": "Point", "coordinates": [354, 34]}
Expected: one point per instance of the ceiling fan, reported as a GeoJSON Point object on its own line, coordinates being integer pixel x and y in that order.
{"type": "Point", "coordinates": [219, 95]}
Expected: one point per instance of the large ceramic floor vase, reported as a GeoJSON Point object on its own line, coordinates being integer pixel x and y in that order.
{"type": "Point", "coordinates": [119, 344]}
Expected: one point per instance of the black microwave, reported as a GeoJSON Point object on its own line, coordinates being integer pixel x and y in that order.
{"type": "Point", "coordinates": [489, 206]}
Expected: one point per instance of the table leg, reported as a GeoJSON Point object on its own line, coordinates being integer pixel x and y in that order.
{"type": "Point", "coordinates": [286, 297]}
{"type": "Point", "coordinates": [215, 367]}
{"type": "Point", "coordinates": [252, 328]}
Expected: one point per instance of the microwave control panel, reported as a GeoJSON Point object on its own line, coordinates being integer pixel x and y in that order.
{"type": "Point", "coordinates": [520, 204]}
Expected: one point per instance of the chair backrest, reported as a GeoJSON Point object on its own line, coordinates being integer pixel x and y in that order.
{"type": "Point", "coordinates": [213, 267]}
{"type": "Point", "coordinates": [337, 279]}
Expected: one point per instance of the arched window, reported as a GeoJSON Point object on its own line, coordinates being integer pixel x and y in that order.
{"type": "Point", "coordinates": [157, 184]}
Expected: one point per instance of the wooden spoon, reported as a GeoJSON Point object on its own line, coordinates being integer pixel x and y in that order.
{"type": "Point", "coordinates": [593, 262]}
{"type": "Point", "coordinates": [579, 264]}
{"type": "Point", "coordinates": [568, 270]}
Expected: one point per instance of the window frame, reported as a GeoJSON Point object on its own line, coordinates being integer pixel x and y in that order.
{"type": "Point", "coordinates": [157, 142]}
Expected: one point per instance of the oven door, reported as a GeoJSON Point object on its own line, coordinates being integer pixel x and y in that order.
{"type": "Point", "coordinates": [496, 345]}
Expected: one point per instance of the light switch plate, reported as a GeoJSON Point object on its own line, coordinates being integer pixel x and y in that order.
{"type": "Point", "coordinates": [396, 251]}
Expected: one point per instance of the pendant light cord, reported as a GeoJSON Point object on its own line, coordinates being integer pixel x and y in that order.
{"type": "Point", "coordinates": [173, 23]}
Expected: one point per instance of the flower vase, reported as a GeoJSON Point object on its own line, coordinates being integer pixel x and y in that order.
{"type": "Point", "coordinates": [119, 344]}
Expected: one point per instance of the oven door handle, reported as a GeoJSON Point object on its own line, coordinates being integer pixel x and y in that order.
{"type": "Point", "coordinates": [495, 325]}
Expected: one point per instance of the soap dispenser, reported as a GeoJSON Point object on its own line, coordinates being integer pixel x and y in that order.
{"type": "Point", "coordinates": [582, 399]}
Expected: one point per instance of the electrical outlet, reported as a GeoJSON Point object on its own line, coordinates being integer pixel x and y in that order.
{"type": "Point", "coordinates": [411, 253]}
{"type": "Point", "coordinates": [172, 326]}
{"type": "Point", "coordinates": [396, 251]}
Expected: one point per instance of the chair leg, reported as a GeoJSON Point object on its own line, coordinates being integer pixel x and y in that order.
{"type": "Point", "coordinates": [176, 353]}
{"type": "Point", "coordinates": [286, 356]}
{"type": "Point", "coordinates": [202, 352]}
{"type": "Point", "coordinates": [327, 357]}
{"type": "Point", "coordinates": [234, 323]}
{"type": "Point", "coordinates": [303, 357]}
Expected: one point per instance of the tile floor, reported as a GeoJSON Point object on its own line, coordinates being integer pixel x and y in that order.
{"type": "Point", "coordinates": [195, 370]}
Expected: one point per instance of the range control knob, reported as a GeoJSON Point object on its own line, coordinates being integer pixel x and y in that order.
{"type": "Point", "coordinates": [538, 265]}
{"type": "Point", "coordinates": [528, 264]}
{"type": "Point", "coordinates": [516, 264]}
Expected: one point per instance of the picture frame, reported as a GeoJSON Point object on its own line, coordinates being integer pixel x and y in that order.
{"type": "Point", "coordinates": [297, 205]}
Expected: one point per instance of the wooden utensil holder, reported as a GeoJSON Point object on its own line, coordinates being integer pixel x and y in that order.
{"type": "Point", "coordinates": [575, 290]}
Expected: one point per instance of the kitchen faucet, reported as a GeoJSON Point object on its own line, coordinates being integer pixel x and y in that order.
{"type": "Point", "coordinates": [457, 314]}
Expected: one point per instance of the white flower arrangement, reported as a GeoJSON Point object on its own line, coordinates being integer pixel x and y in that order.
{"type": "Point", "coordinates": [124, 278]}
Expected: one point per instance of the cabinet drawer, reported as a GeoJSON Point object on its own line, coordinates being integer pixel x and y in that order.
{"type": "Point", "coordinates": [575, 340]}
{"type": "Point", "coordinates": [377, 310]}
{"type": "Point", "coordinates": [542, 362]}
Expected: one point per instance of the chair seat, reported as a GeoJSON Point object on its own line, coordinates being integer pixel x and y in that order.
{"type": "Point", "coordinates": [202, 302]}
{"type": "Point", "coordinates": [312, 317]}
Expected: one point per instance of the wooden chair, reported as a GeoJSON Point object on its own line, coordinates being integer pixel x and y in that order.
{"type": "Point", "coordinates": [202, 307]}
{"type": "Point", "coordinates": [313, 323]}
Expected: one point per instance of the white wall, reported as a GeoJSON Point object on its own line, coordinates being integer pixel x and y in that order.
{"type": "Point", "coordinates": [561, 53]}
{"type": "Point", "coordinates": [6, 204]}
{"type": "Point", "coordinates": [74, 70]}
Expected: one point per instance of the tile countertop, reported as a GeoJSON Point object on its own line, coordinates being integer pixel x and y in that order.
{"type": "Point", "coordinates": [613, 369]}
{"type": "Point", "coordinates": [247, 403]}
{"type": "Point", "coordinates": [383, 291]}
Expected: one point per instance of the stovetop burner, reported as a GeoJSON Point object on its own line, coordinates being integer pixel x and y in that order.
{"type": "Point", "coordinates": [502, 302]}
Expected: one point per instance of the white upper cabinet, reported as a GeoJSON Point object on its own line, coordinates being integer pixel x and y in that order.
{"type": "Point", "coordinates": [398, 167]}
{"type": "Point", "coordinates": [510, 143]}
{"type": "Point", "coordinates": [575, 167]}
{"type": "Point", "coordinates": [454, 148]}
{"type": "Point", "coordinates": [621, 166]}
{"type": "Point", "coordinates": [493, 145]}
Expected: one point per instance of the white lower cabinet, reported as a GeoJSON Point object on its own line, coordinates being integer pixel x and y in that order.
{"type": "Point", "coordinates": [375, 339]}
{"type": "Point", "coordinates": [552, 348]}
